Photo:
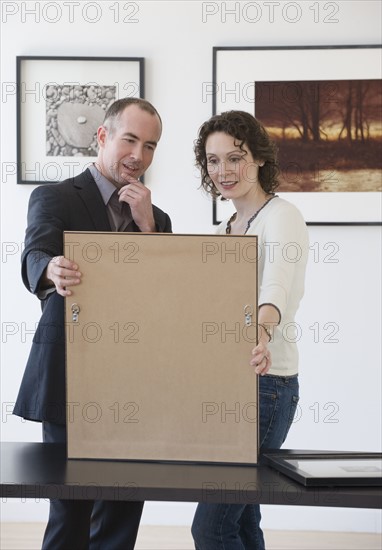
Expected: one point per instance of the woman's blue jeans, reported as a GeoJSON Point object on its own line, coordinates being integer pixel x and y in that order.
{"type": "Point", "coordinates": [237, 526]}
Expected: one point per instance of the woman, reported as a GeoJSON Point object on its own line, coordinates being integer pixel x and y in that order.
{"type": "Point", "coordinates": [238, 161]}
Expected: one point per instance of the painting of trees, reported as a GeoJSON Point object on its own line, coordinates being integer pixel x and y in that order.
{"type": "Point", "coordinates": [325, 128]}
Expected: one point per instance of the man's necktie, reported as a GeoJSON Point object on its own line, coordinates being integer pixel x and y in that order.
{"type": "Point", "coordinates": [120, 212]}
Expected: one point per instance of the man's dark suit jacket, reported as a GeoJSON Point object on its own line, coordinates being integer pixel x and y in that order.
{"type": "Point", "coordinates": [73, 205]}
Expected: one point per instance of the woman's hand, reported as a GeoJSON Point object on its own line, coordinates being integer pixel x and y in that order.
{"type": "Point", "coordinates": [261, 358]}
{"type": "Point", "coordinates": [269, 317]}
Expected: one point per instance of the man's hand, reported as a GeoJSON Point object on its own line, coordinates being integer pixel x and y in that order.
{"type": "Point", "coordinates": [139, 199]}
{"type": "Point", "coordinates": [62, 273]}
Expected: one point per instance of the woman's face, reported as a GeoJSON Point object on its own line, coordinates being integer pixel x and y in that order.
{"type": "Point", "coordinates": [233, 171]}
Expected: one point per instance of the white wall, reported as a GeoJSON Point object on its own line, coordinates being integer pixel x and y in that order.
{"type": "Point", "coordinates": [340, 382]}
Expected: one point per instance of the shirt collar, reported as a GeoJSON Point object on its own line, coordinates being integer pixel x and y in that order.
{"type": "Point", "coordinates": [105, 186]}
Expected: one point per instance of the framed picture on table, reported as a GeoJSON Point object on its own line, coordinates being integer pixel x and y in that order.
{"type": "Point", "coordinates": [323, 107]}
{"type": "Point", "coordinates": [61, 101]}
{"type": "Point", "coordinates": [315, 469]}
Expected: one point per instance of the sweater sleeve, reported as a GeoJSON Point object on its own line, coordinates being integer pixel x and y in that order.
{"type": "Point", "coordinates": [285, 249]}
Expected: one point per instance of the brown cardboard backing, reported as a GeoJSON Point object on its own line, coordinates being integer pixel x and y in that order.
{"type": "Point", "coordinates": [158, 357]}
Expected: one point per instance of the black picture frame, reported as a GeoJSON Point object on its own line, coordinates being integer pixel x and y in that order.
{"type": "Point", "coordinates": [46, 151]}
{"type": "Point", "coordinates": [233, 75]}
{"type": "Point", "coordinates": [319, 469]}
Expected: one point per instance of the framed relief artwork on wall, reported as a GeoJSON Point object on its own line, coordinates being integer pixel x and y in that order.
{"type": "Point", "coordinates": [61, 101]}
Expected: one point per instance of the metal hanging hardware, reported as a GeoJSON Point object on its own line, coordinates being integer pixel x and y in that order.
{"type": "Point", "coordinates": [248, 312]}
{"type": "Point", "coordinates": [75, 311]}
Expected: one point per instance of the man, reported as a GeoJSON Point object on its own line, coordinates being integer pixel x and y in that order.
{"type": "Point", "coordinates": [108, 196]}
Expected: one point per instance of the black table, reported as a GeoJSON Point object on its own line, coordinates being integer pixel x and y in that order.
{"type": "Point", "coordinates": [40, 470]}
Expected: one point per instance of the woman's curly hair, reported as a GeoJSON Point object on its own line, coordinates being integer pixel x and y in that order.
{"type": "Point", "coordinates": [249, 132]}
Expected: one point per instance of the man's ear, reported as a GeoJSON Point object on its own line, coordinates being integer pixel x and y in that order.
{"type": "Point", "coordinates": [101, 135]}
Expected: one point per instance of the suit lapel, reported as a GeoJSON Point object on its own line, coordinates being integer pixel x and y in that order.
{"type": "Point", "coordinates": [88, 192]}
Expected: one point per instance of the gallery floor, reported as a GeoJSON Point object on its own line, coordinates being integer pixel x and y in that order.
{"type": "Point", "coordinates": [28, 536]}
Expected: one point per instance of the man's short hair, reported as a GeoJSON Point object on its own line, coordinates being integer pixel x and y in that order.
{"type": "Point", "coordinates": [120, 105]}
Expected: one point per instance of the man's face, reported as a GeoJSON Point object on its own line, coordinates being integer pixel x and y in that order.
{"type": "Point", "coordinates": [127, 145]}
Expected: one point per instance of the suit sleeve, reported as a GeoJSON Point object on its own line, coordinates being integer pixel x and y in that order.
{"type": "Point", "coordinates": [44, 234]}
{"type": "Point", "coordinates": [167, 225]}
{"type": "Point", "coordinates": [162, 221]}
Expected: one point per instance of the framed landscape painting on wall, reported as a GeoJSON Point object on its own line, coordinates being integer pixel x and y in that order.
{"type": "Point", "coordinates": [323, 107]}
